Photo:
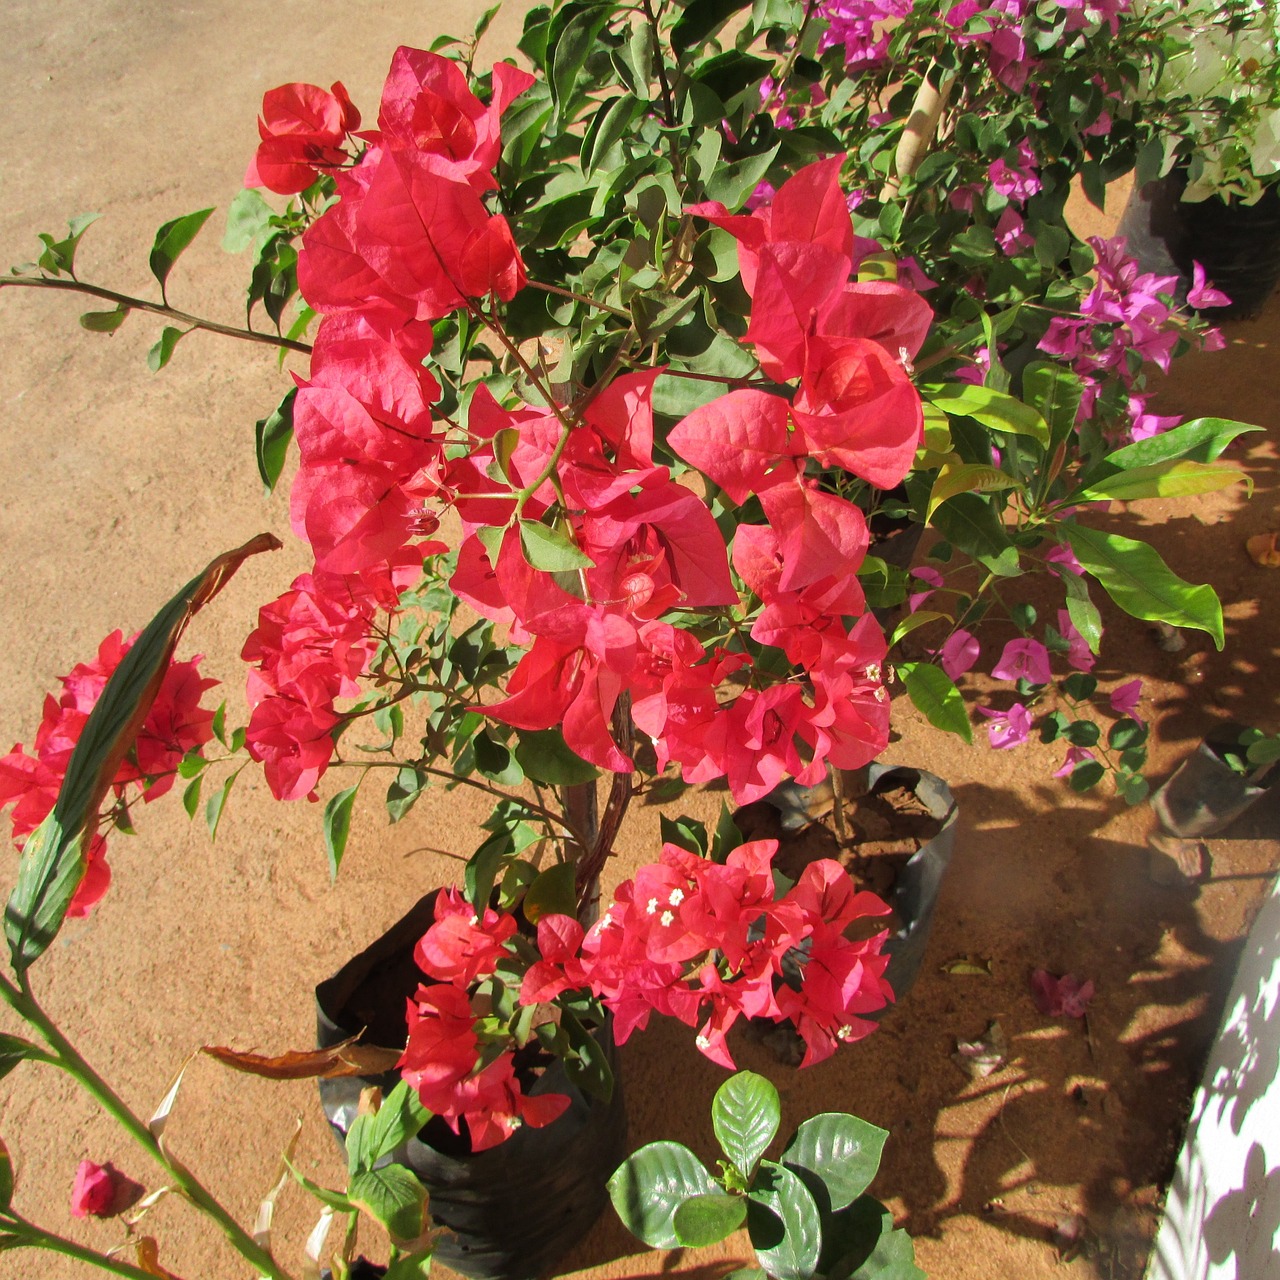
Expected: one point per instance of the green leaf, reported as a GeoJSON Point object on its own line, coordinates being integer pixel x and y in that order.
{"type": "Point", "coordinates": [162, 352]}
{"type": "Point", "coordinates": [6, 1178]}
{"type": "Point", "coordinates": [649, 1186]}
{"type": "Point", "coordinates": [1201, 440]}
{"type": "Point", "coordinates": [171, 240]}
{"type": "Point", "coordinates": [216, 803]}
{"type": "Point", "coordinates": [708, 1219]}
{"type": "Point", "coordinates": [994, 409]}
{"type": "Point", "coordinates": [1128, 733]}
{"type": "Point", "coordinates": [544, 757]}
{"type": "Point", "coordinates": [191, 797]}
{"type": "Point", "coordinates": [684, 833]}
{"type": "Point", "coordinates": [700, 19]}
{"type": "Point", "coordinates": [553, 893]}
{"type": "Point", "coordinates": [966, 477]}
{"type": "Point", "coordinates": [1134, 788]}
{"type": "Point", "coordinates": [784, 1225]}
{"type": "Point", "coordinates": [398, 1119]}
{"type": "Point", "coordinates": [745, 1114]}
{"type": "Point", "coordinates": [1081, 610]}
{"type": "Point", "coordinates": [392, 1196]}
{"type": "Point", "coordinates": [52, 862]}
{"type": "Point", "coordinates": [104, 321]}
{"type": "Point", "coordinates": [13, 1050]}
{"type": "Point", "coordinates": [60, 255]}
{"type": "Point", "coordinates": [934, 693]}
{"type": "Point", "coordinates": [1054, 392]}
{"type": "Point", "coordinates": [550, 549]}
{"type": "Point", "coordinates": [1140, 583]}
{"type": "Point", "coordinates": [840, 1152]}
{"type": "Point", "coordinates": [613, 122]}
{"type": "Point", "coordinates": [411, 1266]}
{"type": "Point", "coordinates": [248, 216]}
{"type": "Point", "coordinates": [971, 526]}
{"type": "Point", "coordinates": [1088, 773]}
{"type": "Point", "coordinates": [1080, 685]}
{"type": "Point", "coordinates": [569, 55]}
{"type": "Point", "coordinates": [1162, 480]}
{"type": "Point", "coordinates": [271, 439]}
{"type": "Point", "coordinates": [1083, 733]}
{"type": "Point", "coordinates": [731, 184]}
{"type": "Point", "coordinates": [337, 827]}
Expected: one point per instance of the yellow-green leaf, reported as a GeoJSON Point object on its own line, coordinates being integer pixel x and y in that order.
{"type": "Point", "coordinates": [1164, 480]}
{"type": "Point", "coordinates": [968, 477]}
{"type": "Point", "coordinates": [994, 409]}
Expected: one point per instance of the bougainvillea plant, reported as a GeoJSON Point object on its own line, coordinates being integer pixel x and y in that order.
{"type": "Point", "coordinates": [608, 356]}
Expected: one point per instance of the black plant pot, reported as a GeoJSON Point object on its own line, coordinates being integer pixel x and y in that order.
{"type": "Point", "coordinates": [515, 1209]}
{"type": "Point", "coordinates": [1238, 245]}
{"type": "Point", "coordinates": [1205, 795]}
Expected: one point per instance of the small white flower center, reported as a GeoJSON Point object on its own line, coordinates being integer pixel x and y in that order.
{"type": "Point", "coordinates": [676, 898]}
{"type": "Point", "coordinates": [652, 907]}
{"type": "Point", "coordinates": [667, 918]}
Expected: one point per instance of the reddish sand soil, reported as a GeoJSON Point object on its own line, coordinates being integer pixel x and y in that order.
{"type": "Point", "coordinates": [123, 483]}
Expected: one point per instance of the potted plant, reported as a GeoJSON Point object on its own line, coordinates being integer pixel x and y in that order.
{"type": "Point", "coordinates": [1216, 93]}
{"type": "Point", "coordinates": [588, 451]}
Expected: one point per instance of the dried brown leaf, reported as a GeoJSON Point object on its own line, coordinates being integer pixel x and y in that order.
{"type": "Point", "coordinates": [148, 1252]}
{"type": "Point", "coordinates": [968, 966]}
{"type": "Point", "coordinates": [1263, 549]}
{"type": "Point", "coordinates": [345, 1059]}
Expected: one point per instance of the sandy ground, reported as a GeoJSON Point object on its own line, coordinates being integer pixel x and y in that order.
{"type": "Point", "coordinates": [123, 483]}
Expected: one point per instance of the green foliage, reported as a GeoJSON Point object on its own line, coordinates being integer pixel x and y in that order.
{"type": "Point", "coordinates": [807, 1216]}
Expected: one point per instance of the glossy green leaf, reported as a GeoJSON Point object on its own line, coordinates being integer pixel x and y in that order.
{"type": "Point", "coordinates": [971, 526]}
{"type": "Point", "coordinates": [648, 1187]}
{"type": "Point", "coordinates": [840, 1151]}
{"type": "Point", "coordinates": [392, 1196]}
{"type": "Point", "coordinates": [745, 1114]}
{"type": "Point", "coordinates": [1162, 480]}
{"type": "Point", "coordinates": [612, 123]}
{"type": "Point", "coordinates": [934, 694]}
{"type": "Point", "coordinates": [550, 549]}
{"type": "Point", "coordinates": [172, 240]}
{"type": "Point", "coordinates": [1201, 440]}
{"type": "Point", "coordinates": [1055, 393]}
{"type": "Point", "coordinates": [104, 321]}
{"type": "Point", "coordinates": [783, 1222]}
{"type": "Point", "coordinates": [545, 757]}
{"type": "Point", "coordinates": [708, 1219]}
{"type": "Point", "coordinates": [271, 439]}
{"type": "Point", "coordinates": [1139, 581]}
{"type": "Point", "coordinates": [162, 352]}
{"type": "Point", "coordinates": [1081, 610]}
{"type": "Point", "coordinates": [1087, 774]}
{"type": "Point", "coordinates": [553, 893]}
{"type": "Point", "coordinates": [913, 621]}
{"type": "Point", "coordinates": [966, 477]}
{"type": "Point", "coordinates": [191, 797]}
{"type": "Point", "coordinates": [994, 409]}
{"type": "Point", "coordinates": [337, 827]}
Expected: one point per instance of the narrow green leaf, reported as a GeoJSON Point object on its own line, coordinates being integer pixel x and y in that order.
{"type": "Point", "coordinates": [6, 1177]}
{"type": "Point", "coordinates": [745, 1114]}
{"type": "Point", "coordinates": [994, 409]}
{"type": "Point", "coordinates": [708, 1219]}
{"type": "Point", "coordinates": [613, 122]}
{"type": "Point", "coordinates": [104, 321]}
{"type": "Point", "coordinates": [784, 1225]}
{"type": "Point", "coordinates": [216, 804]}
{"type": "Point", "coordinates": [398, 1119]}
{"type": "Point", "coordinates": [840, 1152]}
{"type": "Point", "coordinates": [1082, 611]}
{"type": "Point", "coordinates": [649, 1186]}
{"type": "Point", "coordinates": [700, 18]}
{"type": "Point", "coordinates": [914, 620]}
{"type": "Point", "coordinates": [392, 1196]}
{"type": "Point", "coordinates": [934, 693]}
{"type": "Point", "coordinates": [553, 893]}
{"type": "Point", "coordinates": [271, 439]}
{"type": "Point", "coordinates": [191, 797]}
{"type": "Point", "coordinates": [550, 549]}
{"type": "Point", "coordinates": [545, 757]}
{"type": "Point", "coordinates": [337, 827]}
{"type": "Point", "coordinates": [1139, 581]}
{"type": "Point", "coordinates": [171, 241]}
{"type": "Point", "coordinates": [1162, 480]}
{"type": "Point", "coordinates": [162, 352]}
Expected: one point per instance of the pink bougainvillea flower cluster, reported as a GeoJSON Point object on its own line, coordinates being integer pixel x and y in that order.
{"type": "Point", "coordinates": [1126, 320]}
{"type": "Point", "coordinates": [442, 1059]}
{"type": "Point", "coordinates": [175, 725]}
{"type": "Point", "coordinates": [705, 943]}
{"type": "Point", "coordinates": [303, 128]}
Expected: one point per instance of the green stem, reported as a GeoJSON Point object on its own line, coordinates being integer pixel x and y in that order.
{"type": "Point", "coordinates": [38, 1238]}
{"type": "Point", "coordinates": [25, 1004]}
{"type": "Point", "coordinates": [160, 309]}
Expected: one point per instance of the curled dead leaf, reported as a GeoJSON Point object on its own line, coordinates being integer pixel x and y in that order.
{"type": "Point", "coordinates": [970, 966]}
{"type": "Point", "coordinates": [148, 1252]}
{"type": "Point", "coordinates": [345, 1059]}
{"type": "Point", "coordinates": [1264, 549]}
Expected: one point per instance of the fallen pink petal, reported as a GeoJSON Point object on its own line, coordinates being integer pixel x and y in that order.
{"type": "Point", "coordinates": [1064, 997]}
